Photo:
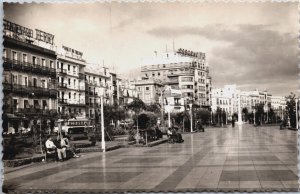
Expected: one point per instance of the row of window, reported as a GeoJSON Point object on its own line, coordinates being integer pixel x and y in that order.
{"type": "Point", "coordinates": [37, 104]}
{"type": "Point", "coordinates": [24, 57]}
{"type": "Point", "coordinates": [26, 80]}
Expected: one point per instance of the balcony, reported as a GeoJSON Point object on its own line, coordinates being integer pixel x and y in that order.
{"type": "Point", "coordinates": [28, 111]}
{"type": "Point", "coordinates": [20, 66]}
{"type": "Point", "coordinates": [29, 90]}
{"type": "Point", "coordinates": [90, 93]}
{"type": "Point", "coordinates": [62, 71]}
{"type": "Point", "coordinates": [62, 85]}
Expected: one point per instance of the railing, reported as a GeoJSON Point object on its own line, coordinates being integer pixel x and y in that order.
{"type": "Point", "coordinates": [29, 90]}
{"type": "Point", "coordinates": [62, 71]}
{"type": "Point", "coordinates": [62, 85]}
{"type": "Point", "coordinates": [17, 65]}
{"type": "Point", "coordinates": [28, 111]}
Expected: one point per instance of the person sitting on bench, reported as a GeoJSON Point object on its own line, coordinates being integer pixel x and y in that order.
{"type": "Point", "coordinates": [50, 146]}
{"type": "Point", "coordinates": [67, 146]}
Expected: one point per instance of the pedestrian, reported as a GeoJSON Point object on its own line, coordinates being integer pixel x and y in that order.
{"type": "Point", "coordinates": [67, 145]}
{"type": "Point", "coordinates": [233, 121]}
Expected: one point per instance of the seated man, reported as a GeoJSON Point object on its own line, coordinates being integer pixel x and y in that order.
{"type": "Point", "coordinates": [61, 153]}
{"type": "Point", "coordinates": [50, 146]}
{"type": "Point", "coordinates": [66, 145]}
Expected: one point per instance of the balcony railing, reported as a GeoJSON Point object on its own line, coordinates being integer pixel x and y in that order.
{"type": "Point", "coordinates": [62, 71]}
{"type": "Point", "coordinates": [29, 90]}
{"type": "Point", "coordinates": [28, 111]}
{"type": "Point", "coordinates": [62, 85]}
{"type": "Point", "coordinates": [22, 66]}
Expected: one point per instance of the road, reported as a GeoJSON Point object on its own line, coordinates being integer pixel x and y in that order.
{"type": "Point", "coordinates": [244, 158]}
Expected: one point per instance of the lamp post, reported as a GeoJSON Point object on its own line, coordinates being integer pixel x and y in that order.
{"type": "Point", "coordinates": [168, 108]}
{"type": "Point", "coordinates": [191, 107]}
{"type": "Point", "coordinates": [239, 111]}
{"type": "Point", "coordinates": [297, 108]}
{"type": "Point", "coordinates": [102, 120]}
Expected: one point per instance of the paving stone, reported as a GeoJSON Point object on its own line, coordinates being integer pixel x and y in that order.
{"type": "Point", "coordinates": [261, 159]}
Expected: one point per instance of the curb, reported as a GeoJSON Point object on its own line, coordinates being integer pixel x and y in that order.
{"type": "Point", "coordinates": [23, 161]}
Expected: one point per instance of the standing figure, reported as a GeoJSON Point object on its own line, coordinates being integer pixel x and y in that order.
{"type": "Point", "coordinates": [233, 121]}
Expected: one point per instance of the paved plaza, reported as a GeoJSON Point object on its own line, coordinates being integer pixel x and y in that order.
{"type": "Point", "coordinates": [244, 158]}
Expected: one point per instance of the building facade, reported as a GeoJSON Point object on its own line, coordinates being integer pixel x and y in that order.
{"type": "Point", "coordinates": [96, 84]}
{"type": "Point", "coordinates": [149, 90]}
{"type": "Point", "coordinates": [184, 70]}
{"type": "Point", "coordinates": [71, 85]}
{"type": "Point", "coordinates": [29, 76]}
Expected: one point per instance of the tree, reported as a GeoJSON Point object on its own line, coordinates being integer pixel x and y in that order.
{"type": "Point", "coordinates": [291, 109]}
{"type": "Point", "coordinates": [147, 120]}
{"type": "Point", "coordinates": [246, 114]}
{"type": "Point", "coordinates": [136, 105]}
{"type": "Point", "coordinates": [203, 115]}
{"type": "Point", "coordinates": [259, 113]}
{"type": "Point", "coordinates": [181, 119]}
{"type": "Point", "coordinates": [154, 107]}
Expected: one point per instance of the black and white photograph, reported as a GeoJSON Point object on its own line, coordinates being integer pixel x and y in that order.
{"type": "Point", "coordinates": [132, 97]}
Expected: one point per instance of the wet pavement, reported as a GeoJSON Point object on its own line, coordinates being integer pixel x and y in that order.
{"type": "Point", "coordinates": [244, 158]}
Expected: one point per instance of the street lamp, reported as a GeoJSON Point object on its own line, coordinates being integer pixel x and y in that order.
{"type": "Point", "coordinates": [239, 111]}
{"type": "Point", "coordinates": [102, 91]}
{"type": "Point", "coordinates": [191, 107]}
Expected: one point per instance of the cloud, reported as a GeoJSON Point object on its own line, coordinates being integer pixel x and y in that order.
{"type": "Point", "coordinates": [255, 55]}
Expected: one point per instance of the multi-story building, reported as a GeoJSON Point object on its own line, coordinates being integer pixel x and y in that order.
{"type": "Point", "coordinates": [173, 100]}
{"type": "Point", "coordinates": [184, 70]}
{"type": "Point", "coordinates": [149, 90]}
{"type": "Point", "coordinates": [96, 84]}
{"type": "Point", "coordinates": [128, 92]}
{"type": "Point", "coordinates": [71, 85]}
{"type": "Point", "coordinates": [278, 104]}
{"type": "Point", "coordinates": [225, 99]}
{"type": "Point", "coordinates": [29, 76]}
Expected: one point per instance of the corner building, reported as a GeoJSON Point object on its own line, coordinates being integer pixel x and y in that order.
{"type": "Point", "coordinates": [183, 70]}
{"type": "Point", "coordinates": [29, 76]}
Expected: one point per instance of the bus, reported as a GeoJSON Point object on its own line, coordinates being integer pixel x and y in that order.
{"type": "Point", "coordinates": [75, 127]}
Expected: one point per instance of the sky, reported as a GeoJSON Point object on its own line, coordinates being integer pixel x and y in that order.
{"type": "Point", "coordinates": [253, 45]}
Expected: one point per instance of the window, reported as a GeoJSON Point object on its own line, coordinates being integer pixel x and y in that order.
{"type": "Point", "coordinates": [158, 74]}
{"type": "Point", "coordinates": [4, 53]}
{"type": "Point", "coordinates": [74, 68]}
{"type": "Point", "coordinates": [69, 95]}
{"type": "Point", "coordinates": [26, 81]}
{"type": "Point", "coordinates": [43, 62]}
{"type": "Point", "coordinates": [25, 58]}
{"type": "Point", "coordinates": [15, 103]}
{"type": "Point", "coordinates": [147, 88]}
{"type": "Point", "coordinates": [14, 79]}
{"type": "Point", "coordinates": [69, 81]}
{"type": "Point", "coordinates": [69, 67]}
{"type": "Point", "coordinates": [74, 96]}
{"type": "Point", "coordinates": [14, 55]}
{"type": "Point", "coordinates": [43, 83]}
{"type": "Point", "coordinates": [44, 103]}
{"type": "Point", "coordinates": [36, 104]}
{"type": "Point", "coordinates": [51, 64]}
{"type": "Point", "coordinates": [34, 60]}
{"type": "Point", "coordinates": [26, 104]}
{"type": "Point", "coordinates": [34, 82]}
